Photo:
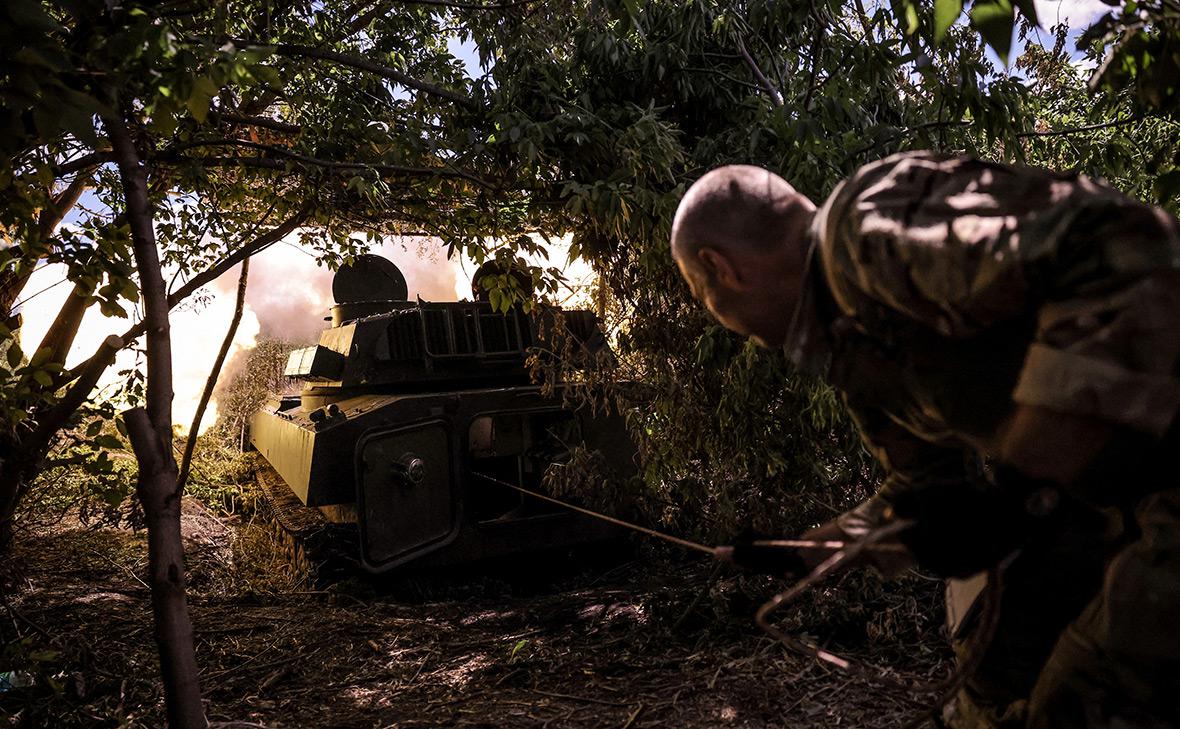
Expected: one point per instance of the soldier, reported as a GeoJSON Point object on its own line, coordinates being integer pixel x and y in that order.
{"type": "Point", "coordinates": [1008, 343]}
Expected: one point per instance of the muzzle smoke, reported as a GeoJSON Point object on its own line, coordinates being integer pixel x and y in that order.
{"type": "Point", "coordinates": [287, 298]}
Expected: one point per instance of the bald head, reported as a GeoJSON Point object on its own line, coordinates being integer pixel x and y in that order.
{"type": "Point", "coordinates": [740, 239]}
{"type": "Point", "coordinates": [737, 207]}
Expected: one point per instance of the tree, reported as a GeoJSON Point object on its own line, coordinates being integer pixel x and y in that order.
{"type": "Point", "coordinates": [614, 107]}
{"type": "Point", "coordinates": [206, 134]}
{"type": "Point", "coordinates": [252, 124]}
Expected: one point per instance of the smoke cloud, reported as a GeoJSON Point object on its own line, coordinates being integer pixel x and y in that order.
{"type": "Point", "coordinates": [287, 298]}
{"type": "Point", "coordinates": [291, 295]}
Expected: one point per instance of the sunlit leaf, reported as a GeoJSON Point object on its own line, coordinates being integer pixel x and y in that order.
{"type": "Point", "coordinates": [945, 14]}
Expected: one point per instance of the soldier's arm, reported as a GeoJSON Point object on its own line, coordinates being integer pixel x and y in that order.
{"type": "Point", "coordinates": [961, 525]}
{"type": "Point", "coordinates": [961, 247]}
{"type": "Point", "coordinates": [1047, 445]}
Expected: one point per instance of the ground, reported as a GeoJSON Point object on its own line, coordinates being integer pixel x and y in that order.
{"type": "Point", "coordinates": [646, 640]}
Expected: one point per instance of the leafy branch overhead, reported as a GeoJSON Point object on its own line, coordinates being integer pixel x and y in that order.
{"type": "Point", "coordinates": [995, 20]}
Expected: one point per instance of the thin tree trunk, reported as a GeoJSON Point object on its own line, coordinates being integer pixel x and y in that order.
{"type": "Point", "coordinates": [29, 450]}
{"type": "Point", "coordinates": [13, 280]}
{"type": "Point", "coordinates": [11, 489]}
{"type": "Point", "coordinates": [150, 431]}
{"type": "Point", "coordinates": [214, 374]}
{"type": "Point", "coordinates": [60, 335]}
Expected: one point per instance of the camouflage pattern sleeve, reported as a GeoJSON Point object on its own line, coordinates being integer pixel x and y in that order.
{"type": "Point", "coordinates": [1112, 350]}
{"type": "Point", "coordinates": [911, 463]}
{"type": "Point", "coordinates": [958, 245]}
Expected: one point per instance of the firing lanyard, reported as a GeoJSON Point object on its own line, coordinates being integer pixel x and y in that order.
{"type": "Point", "coordinates": [723, 552]}
{"type": "Point", "coordinates": [843, 553]}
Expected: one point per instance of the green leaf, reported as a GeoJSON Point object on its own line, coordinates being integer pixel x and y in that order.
{"type": "Point", "coordinates": [14, 354]}
{"type": "Point", "coordinates": [267, 76]}
{"type": "Point", "coordinates": [911, 18]}
{"type": "Point", "coordinates": [109, 442]}
{"type": "Point", "coordinates": [995, 19]}
{"type": "Point", "coordinates": [1167, 186]}
{"type": "Point", "coordinates": [945, 14]}
{"type": "Point", "coordinates": [43, 378]}
{"type": "Point", "coordinates": [198, 101]}
{"type": "Point", "coordinates": [516, 648]}
{"type": "Point", "coordinates": [163, 119]}
{"type": "Point", "coordinates": [41, 356]}
{"type": "Point", "coordinates": [94, 428]}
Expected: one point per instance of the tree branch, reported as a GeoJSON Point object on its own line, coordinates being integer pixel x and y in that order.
{"type": "Point", "coordinates": [469, 6]}
{"type": "Point", "coordinates": [64, 202]}
{"type": "Point", "coordinates": [817, 50]}
{"type": "Point", "coordinates": [85, 161]}
{"type": "Point", "coordinates": [13, 280]}
{"type": "Point", "coordinates": [56, 417]}
{"type": "Point", "coordinates": [60, 335]}
{"type": "Point", "coordinates": [722, 74]}
{"type": "Point", "coordinates": [260, 121]}
{"type": "Point", "coordinates": [1087, 128]}
{"type": "Point", "coordinates": [775, 97]}
{"type": "Point", "coordinates": [265, 163]}
{"type": "Point", "coordinates": [863, 18]}
{"type": "Point", "coordinates": [364, 64]}
{"type": "Point", "coordinates": [190, 445]}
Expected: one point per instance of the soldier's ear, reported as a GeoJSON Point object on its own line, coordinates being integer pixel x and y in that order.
{"type": "Point", "coordinates": [718, 267]}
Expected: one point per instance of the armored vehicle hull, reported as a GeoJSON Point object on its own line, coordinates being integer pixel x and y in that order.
{"type": "Point", "coordinates": [410, 422]}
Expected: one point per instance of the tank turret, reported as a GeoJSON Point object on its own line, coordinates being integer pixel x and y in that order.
{"type": "Point", "coordinates": [407, 406]}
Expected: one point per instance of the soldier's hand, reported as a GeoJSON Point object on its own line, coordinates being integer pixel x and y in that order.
{"type": "Point", "coordinates": [889, 557]}
{"type": "Point", "coordinates": [962, 528]}
{"type": "Point", "coordinates": [759, 554]}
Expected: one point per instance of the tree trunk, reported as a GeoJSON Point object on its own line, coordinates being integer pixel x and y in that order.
{"type": "Point", "coordinates": [150, 431]}
{"type": "Point", "coordinates": [13, 280]}
{"type": "Point", "coordinates": [156, 489]}
{"type": "Point", "coordinates": [12, 484]}
{"type": "Point", "coordinates": [211, 382]}
{"type": "Point", "coordinates": [60, 335]}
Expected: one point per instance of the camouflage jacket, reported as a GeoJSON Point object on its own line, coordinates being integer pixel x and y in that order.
{"type": "Point", "coordinates": [944, 290]}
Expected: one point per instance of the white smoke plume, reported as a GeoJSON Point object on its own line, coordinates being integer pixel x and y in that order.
{"type": "Point", "coordinates": [288, 297]}
{"type": "Point", "coordinates": [291, 295]}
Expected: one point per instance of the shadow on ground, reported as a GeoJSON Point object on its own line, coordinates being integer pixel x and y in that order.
{"type": "Point", "coordinates": [649, 642]}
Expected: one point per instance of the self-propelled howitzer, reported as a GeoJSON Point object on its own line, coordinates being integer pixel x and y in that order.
{"type": "Point", "coordinates": [405, 406]}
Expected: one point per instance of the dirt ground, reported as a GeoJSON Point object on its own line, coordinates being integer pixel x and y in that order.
{"type": "Point", "coordinates": [647, 640]}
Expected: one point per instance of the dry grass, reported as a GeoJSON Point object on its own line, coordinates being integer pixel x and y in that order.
{"type": "Point", "coordinates": [617, 647]}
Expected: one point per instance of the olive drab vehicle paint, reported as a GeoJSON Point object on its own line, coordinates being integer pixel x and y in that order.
{"type": "Point", "coordinates": [403, 403]}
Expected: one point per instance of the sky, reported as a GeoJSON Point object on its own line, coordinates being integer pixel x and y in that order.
{"type": "Point", "coordinates": [1078, 14]}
